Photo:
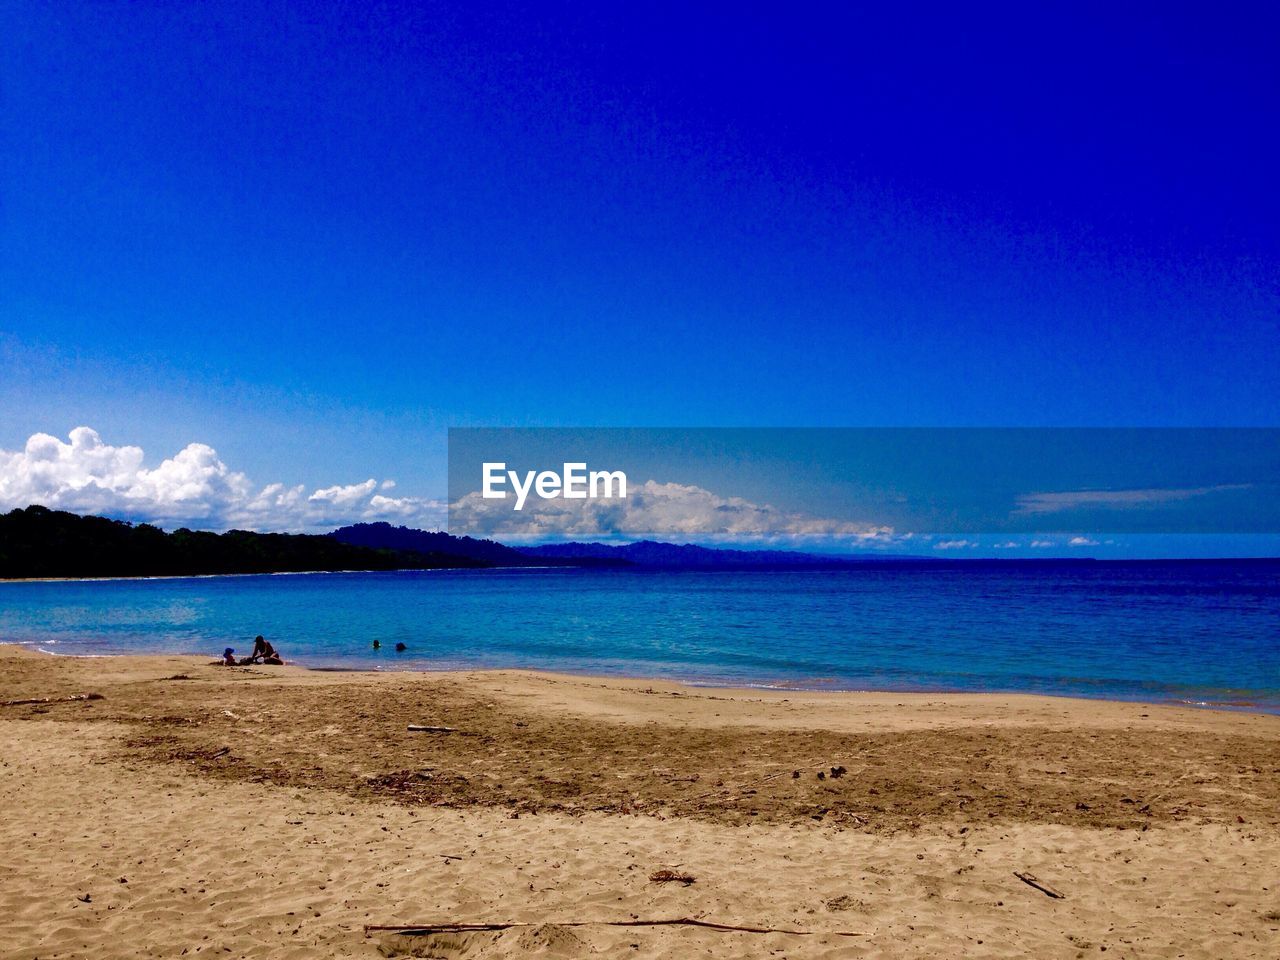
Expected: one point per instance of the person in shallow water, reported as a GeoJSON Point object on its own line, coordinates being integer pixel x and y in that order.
{"type": "Point", "coordinates": [263, 652]}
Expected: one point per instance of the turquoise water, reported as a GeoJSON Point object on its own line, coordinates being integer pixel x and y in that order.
{"type": "Point", "coordinates": [1195, 632]}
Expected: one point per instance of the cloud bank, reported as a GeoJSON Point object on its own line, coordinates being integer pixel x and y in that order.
{"type": "Point", "coordinates": [653, 510]}
{"type": "Point", "coordinates": [1057, 502]}
{"type": "Point", "coordinates": [956, 545]}
{"type": "Point", "coordinates": [193, 488]}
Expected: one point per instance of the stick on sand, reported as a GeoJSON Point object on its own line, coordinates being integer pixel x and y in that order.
{"type": "Point", "coordinates": [446, 926]}
{"type": "Point", "coordinates": [1030, 880]}
{"type": "Point", "coordinates": [73, 697]}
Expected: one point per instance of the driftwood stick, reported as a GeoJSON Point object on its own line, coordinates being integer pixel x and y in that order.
{"type": "Point", "coordinates": [1030, 880]}
{"type": "Point", "coordinates": [445, 926]}
{"type": "Point", "coordinates": [73, 697]}
{"type": "Point", "coordinates": [421, 728]}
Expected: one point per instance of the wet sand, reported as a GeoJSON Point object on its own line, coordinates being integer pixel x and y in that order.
{"type": "Point", "coordinates": [274, 812]}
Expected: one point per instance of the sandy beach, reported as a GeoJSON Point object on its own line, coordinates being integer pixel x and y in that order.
{"type": "Point", "coordinates": [276, 812]}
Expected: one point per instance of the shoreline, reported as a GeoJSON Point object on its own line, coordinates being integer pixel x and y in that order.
{"type": "Point", "coordinates": [267, 573]}
{"type": "Point", "coordinates": [713, 684]}
{"type": "Point", "coordinates": [320, 573]}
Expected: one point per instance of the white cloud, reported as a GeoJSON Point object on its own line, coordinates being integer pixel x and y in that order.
{"type": "Point", "coordinates": [1082, 542]}
{"type": "Point", "coordinates": [955, 544]}
{"type": "Point", "coordinates": [192, 488]}
{"type": "Point", "coordinates": [1056, 502]}
{"type": "Point", "coordinates": [1041, 544]}
{"type": "Point", "coordinates": [653, 509]}
{"type": "Point", "coordinates": [346, 496]}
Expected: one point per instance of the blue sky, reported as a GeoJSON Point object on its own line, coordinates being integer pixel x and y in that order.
{"type": "Point", "coordinates": [313, 237]}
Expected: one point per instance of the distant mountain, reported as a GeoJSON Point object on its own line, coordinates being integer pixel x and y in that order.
{"type": "Point", "coordinates": [688, 556]}
{"type": "Point", "coordinates": [645, 553]}
{"type": "Point", "coordinates": [384, 536]}
{"type": "Point", "coordinates": [488, 553]}
{"type": "Point", "coordinates": [38, 542]}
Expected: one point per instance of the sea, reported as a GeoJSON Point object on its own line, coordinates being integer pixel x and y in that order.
{"type": "Point", "coordinates": [1204, 633]}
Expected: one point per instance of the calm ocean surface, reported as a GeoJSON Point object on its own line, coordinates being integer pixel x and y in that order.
{"type": "Point", "coordinates": [1197, 632]}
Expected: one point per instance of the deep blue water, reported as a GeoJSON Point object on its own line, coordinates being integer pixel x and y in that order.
{"type": "Point", "coordinates": [1197, 632]}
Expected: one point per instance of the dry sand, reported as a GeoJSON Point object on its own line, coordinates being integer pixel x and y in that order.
{"type": "Point", "coordinates": [273, 812]}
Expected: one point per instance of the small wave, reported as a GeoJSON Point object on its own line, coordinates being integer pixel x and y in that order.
{"type": "Point", "coordinates": [80, 656]}
{"type": "Point", "coordinates": [1223, 704]}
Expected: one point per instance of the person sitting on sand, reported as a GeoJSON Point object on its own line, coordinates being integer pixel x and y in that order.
{"type": "Point", "coordinates": [263, 652]}
{"type": "Point", "coordinates": [229, 657]}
